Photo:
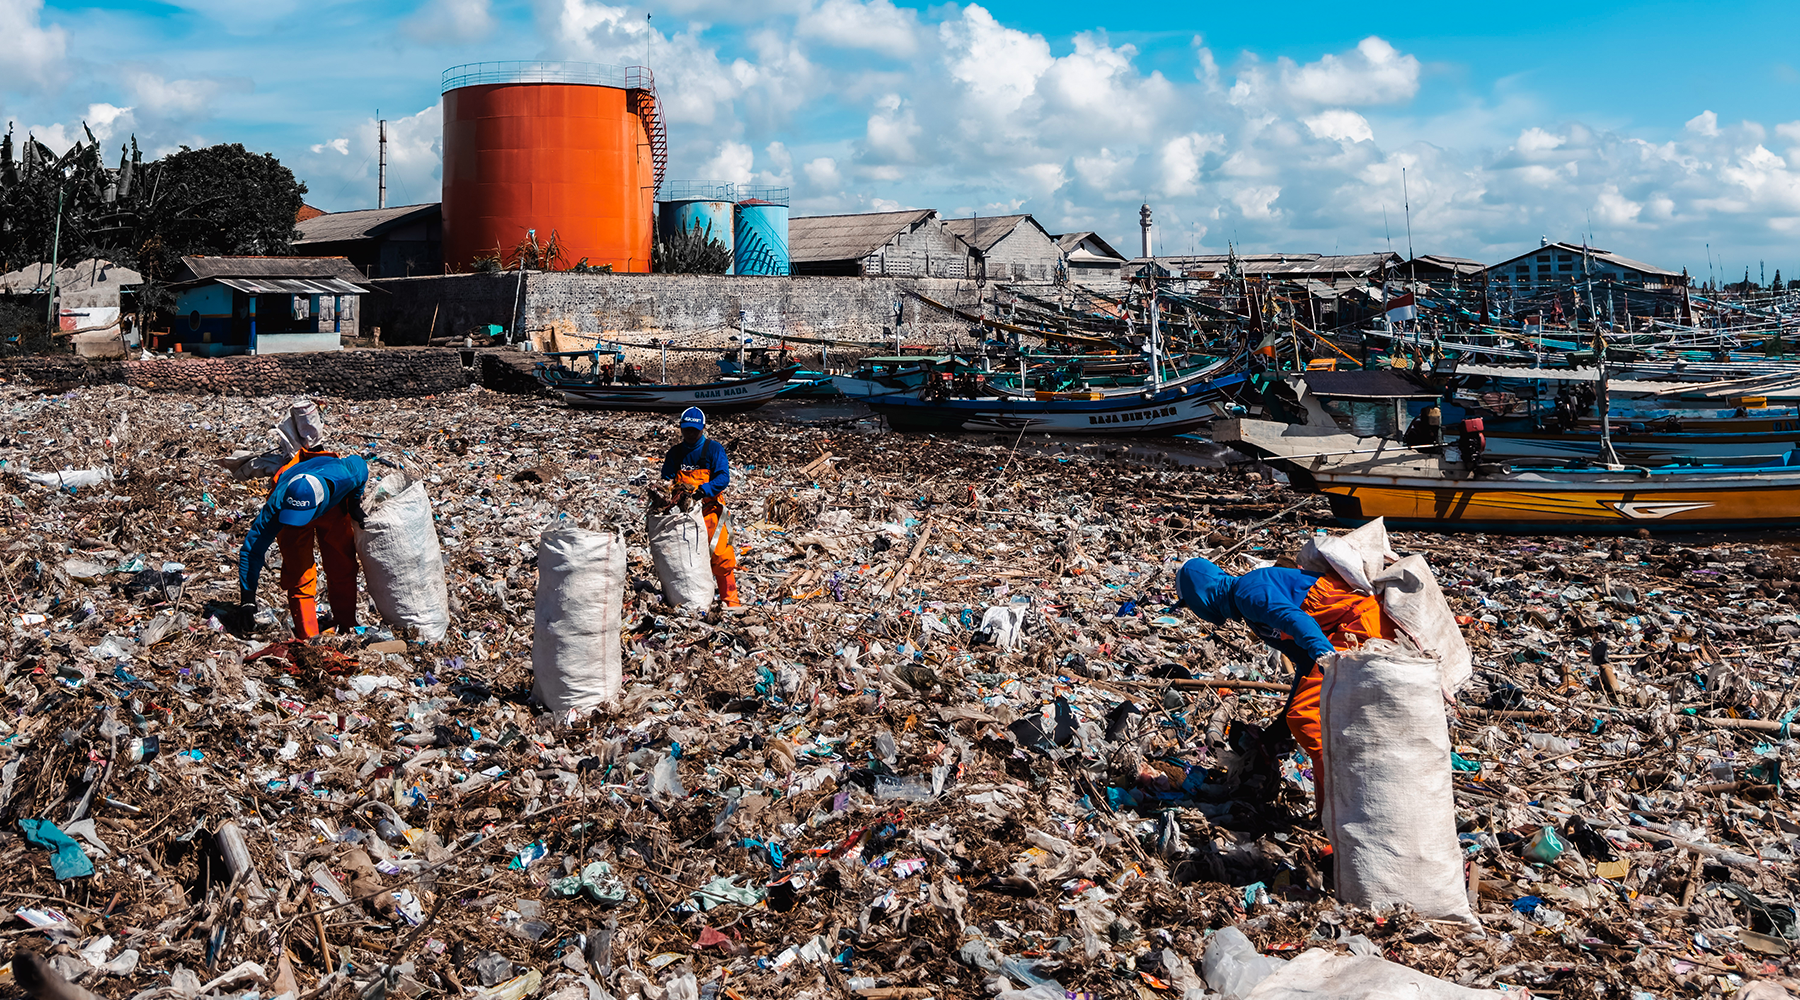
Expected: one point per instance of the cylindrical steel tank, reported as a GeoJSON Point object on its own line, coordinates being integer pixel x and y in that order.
{"type": "Point", "coordinates": [560, 148]}
{"type": "Point", "coordinates": [714, 219]}
{"type": "Point", "coordinates": [762, 238]}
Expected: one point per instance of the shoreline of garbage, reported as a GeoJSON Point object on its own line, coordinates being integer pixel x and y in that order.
{"type": "Point", "coordinates": [849, 787]}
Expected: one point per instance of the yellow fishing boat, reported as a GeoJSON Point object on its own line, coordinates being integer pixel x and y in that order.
{"type": "Point", "coordinates": [1370, 477]}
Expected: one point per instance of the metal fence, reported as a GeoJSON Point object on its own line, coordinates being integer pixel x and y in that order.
{"type": "Point", "coordinates": [586, 74]}
{"type": "Point", "coordinates": [722, 191]}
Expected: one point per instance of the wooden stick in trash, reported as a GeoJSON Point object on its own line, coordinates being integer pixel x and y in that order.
{"type": "Point", "coordinates": [1250, 532]}
{"type": "Point", "coordinates": [1204, 683]}
{"type": "Point", "coordinates": [1759, 725]}
{"type": "Point", "coordinates": [906, 567]}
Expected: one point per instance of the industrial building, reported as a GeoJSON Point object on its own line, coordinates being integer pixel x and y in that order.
{"type": "Point", "coordinates": [909, 244]}
{"type": "Point", "coordinates": [1553, 265]}
{"type": "Point", "coordinates": [262, 305]}
{"type": "Point", "coordinates": [535, 149]}
{"type": "Point", "coordinates": [382, 242]}
{"type": "Point", "coordinates": [1090, 259]}
{"type": "Point", "coordinates": [1011, 248]}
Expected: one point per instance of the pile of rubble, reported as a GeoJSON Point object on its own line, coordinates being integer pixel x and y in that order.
{"type": "Point", "coordinates": [956, 744]}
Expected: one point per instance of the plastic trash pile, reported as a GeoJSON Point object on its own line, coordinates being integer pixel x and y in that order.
{"type": "Point", "coordinates": [957, 744]}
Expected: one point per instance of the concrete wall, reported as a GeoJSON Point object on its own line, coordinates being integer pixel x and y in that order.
{"type": "Point", "coordinates": [558, 307]}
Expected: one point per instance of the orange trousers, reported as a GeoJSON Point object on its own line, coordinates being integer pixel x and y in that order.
{"type": "Point", "coordinates": [724, 556]}
{"type": "Point", "coordinates": [336, 540]}
{"type": "Point", "coordinates": [1348, 619]}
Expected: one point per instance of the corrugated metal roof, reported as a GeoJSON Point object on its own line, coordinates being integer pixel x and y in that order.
{"type": "Point", "coordinates": [360, 224]}
{"type": "Point", "coordinates": [848, 237]}
{"type": "Point", "coordinates": [212, 268]}
{"type": "Point", "coordinates": [292, 286]}
{"type": "Point", "coordinates": [982, 232]}
{"type": "Point", "coordinates": [1458, 265]}
{"type": "Point", "coordinates": [1071, 241]}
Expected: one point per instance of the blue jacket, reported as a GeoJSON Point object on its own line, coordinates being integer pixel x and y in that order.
{"type": "Point", "coordinates": [1268, 600]}
{"type": "Point", "coordinates": [344, 479]}
{"type": "Point", "coordinates": [703, 454]}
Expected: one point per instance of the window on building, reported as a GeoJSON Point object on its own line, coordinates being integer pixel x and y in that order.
{"type": "Point", "coordinates": [1544, 257]}
{"type": "Point", "coordinates": [1562, 256]}
{"type": "Point", "coordinates": [1565, 267]}
{"type": "Point", "coordinates": [1543, 268]}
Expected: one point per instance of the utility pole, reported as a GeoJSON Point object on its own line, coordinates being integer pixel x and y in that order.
{"type": "Point", "coordinates": [381, 169]}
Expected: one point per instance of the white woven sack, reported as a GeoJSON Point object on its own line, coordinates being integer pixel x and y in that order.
{"type": "Point", "coordinates": [681, 555]}
{"type": "Point", "coordinates": [575, 640]}
{"type": "Point", "coordinates": [1318, 974]}
{"type": "Point", "coordinates": [397, 545]}
{"type": "Point", "coordinates": [1412, 598]}
{"type": "Point", "coordinates": [1387, 801]}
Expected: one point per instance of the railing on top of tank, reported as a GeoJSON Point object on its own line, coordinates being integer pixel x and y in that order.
{"type": "Point", "coordinates": [721, 191]}
{"type": "Point", "coordinates": [697, 191]}
{"type": "Point", "coordinates": [522, 71]}
{"type": "Point", "coordinates": [762, 192]}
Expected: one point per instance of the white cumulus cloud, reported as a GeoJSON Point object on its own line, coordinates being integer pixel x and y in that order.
{"type": "Point", "coordinates": [1373, 73]}
{"type": "Point", "coordinates": [30, 52]}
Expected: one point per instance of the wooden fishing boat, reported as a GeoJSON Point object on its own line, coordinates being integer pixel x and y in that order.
{"type": "Point", "coordinates": [1176, 408]}
{"type": "Point", "coordinates": [593, 390]}
{"type": "Point", "coordinates": [1369, 477]}
{"type": "Point", "coordinates": [735, 366]}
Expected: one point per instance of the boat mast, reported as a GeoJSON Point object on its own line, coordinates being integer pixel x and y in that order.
{"type": "Point", "coordinates": [1608, 456]}
{"type": "Point", "coordinates": [1156, 376]}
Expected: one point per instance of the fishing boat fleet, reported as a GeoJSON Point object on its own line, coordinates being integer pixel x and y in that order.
{"type": "Point", "coordinates": [1469, 423]}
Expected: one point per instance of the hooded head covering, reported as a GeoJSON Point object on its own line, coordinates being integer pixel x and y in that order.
{"type": "Point", "coordinates": [1205, 590]}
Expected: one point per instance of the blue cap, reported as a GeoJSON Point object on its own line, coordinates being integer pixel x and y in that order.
{"type": "Point", "coordinates": [301, 499]}
{"type": "Point", "coordinates": [693, 417]}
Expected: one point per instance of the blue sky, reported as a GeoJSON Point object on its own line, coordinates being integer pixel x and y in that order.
{"type": "Point", "coordinates": [1670, 132]}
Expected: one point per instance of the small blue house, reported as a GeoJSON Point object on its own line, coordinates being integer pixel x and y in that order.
{"type": "Point", "coordinates": [262, 305]}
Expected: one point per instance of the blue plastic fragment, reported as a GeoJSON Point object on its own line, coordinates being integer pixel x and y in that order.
{"type": "Point", "coordinates": [67, 859]}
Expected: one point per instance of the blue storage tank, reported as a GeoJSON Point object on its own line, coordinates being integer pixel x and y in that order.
{"type": "Point", "coordinates": [710, 214]}
{"type": "Point", "coordinates": [762, 238]}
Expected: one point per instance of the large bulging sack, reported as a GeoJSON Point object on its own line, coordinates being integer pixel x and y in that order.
{"type": "Point", "coordinates": [1411, 597]}
{"type": "Point", "coordinates": [397, 545]}
{"type": "Point", "coordinates": [1318, 974]}
{"type": "Point", "coordinates": [682, 554]}
{"type": "Point", "coordinates": [1387, 801]}
{"type": "Point", "coordinates": [575, 640]}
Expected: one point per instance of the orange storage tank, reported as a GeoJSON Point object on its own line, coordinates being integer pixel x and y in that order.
{"type": "Point", "coordinates": [555, 148]}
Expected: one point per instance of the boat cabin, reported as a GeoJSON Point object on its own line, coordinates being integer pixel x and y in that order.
{"type": "Point", "coordinates": [1369, 403]}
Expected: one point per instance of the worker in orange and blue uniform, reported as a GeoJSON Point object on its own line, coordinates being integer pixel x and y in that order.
{"type": "Point", "coordinates": [317, 497]}
{"type": "Point", "coordinates": [698, 467]}
{"type": "Point", "coordinates": [1303, 615]}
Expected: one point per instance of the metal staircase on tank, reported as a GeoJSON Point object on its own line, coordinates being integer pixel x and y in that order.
{"type": "Point", "coordinates": [756, 256]}
{"type": "Point", "coordinates": [640, 83]}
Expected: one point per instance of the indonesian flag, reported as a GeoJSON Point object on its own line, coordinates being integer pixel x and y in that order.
{"type": "Point", "coordinates": [1400, 303]}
